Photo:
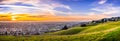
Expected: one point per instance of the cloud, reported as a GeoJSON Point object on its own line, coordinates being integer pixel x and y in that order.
{"type": "Point", "coordinates": [102, 1]}
{"type": "Point", "coordinates": [47, 7]}
{"type": "Point", "coordinates": [24, 1]}
{"type": "Point", "coordinates": [31, 10]}
{"type": "Point", "coordinates": [38, 6]}
{"type": "Point", "coordinates": [107, 9]}
{"type": "Point", "coordinates": [37, 3]}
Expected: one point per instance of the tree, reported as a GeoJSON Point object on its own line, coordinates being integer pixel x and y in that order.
{"type": "Point", "coordinates": [65, 27]}
{"type": "Point", "coordinates": [83, 25]}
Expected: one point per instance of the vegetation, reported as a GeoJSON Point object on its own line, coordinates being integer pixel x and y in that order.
{"type": "Point", "coordinates": [109, 31]}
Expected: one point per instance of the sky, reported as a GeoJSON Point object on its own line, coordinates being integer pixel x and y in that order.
{"type": "Point", "coordinates": [62, 7]}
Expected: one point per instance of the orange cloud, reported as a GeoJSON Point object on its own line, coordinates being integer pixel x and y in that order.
{"type": "Point", "coordinates": [28, 17]}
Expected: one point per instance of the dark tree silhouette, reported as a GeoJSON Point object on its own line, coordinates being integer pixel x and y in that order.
{"type": "Point", "coordinates": [103, 20]}
{"type": "Point", "coordinates": [83, 25]}
{"type": "Point", "coordinates": [5, 33]}
{"type": "Point", "coordinates": [65, 27]}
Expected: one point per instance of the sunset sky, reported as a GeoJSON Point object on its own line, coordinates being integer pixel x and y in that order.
{"type": "Point", "coordinates": [67, 8]}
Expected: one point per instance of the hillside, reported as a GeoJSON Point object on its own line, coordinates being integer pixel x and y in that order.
{"type": "Point", "coordinates": [109, 31]}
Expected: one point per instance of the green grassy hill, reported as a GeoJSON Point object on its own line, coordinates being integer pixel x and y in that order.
{"type": "Point", "coordinates": [109, 31]}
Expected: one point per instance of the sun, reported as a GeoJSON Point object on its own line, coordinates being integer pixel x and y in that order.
{"type": "Point", "coordinates": [13, 18]}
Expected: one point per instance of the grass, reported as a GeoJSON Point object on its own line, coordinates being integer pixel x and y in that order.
{"type": "Point", "coordinates": [109, 31]}
{"type": "Point", "coordinates": [70, 31]}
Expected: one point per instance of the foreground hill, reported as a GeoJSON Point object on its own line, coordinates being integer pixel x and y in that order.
{"type": "Point", "coordinates": [109, 31]}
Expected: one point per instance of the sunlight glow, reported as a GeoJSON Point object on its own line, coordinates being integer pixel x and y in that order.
{"type": "Point", "coordinates": [13, 18]}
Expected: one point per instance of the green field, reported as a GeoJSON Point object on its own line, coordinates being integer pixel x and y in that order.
{"type": "Point", "coordinates": [109, 31]}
